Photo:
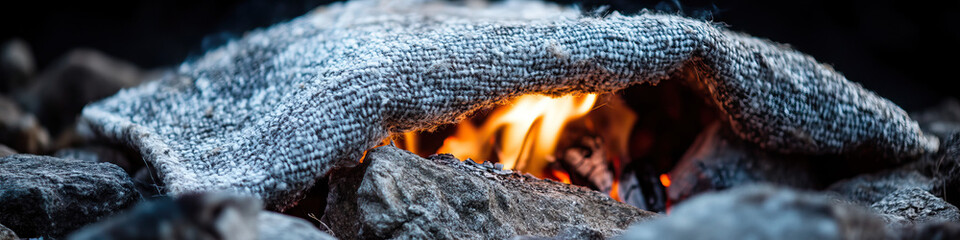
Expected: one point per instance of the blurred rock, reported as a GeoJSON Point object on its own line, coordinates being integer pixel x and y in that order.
{"type": "Point", "coordinates": [945, 169]}
{"type": "Point", "coordinates": [6, 151]}
{"type": "Point", "coordinates": [718, 160]}
{"type": "Point", "coordinates": [935, 230]}
{"type": "Point", "coordinates": [50, 197]}
{"type": "Point", "coordinates": [7, 234]}
{"type": "Point", "coordinates": [916, 206]}
{"type": "Point", "coordinates": [16, 65]}
{"type": "Point", "coordinates": [867, 189]}
{"type": "Point", "coordinates": [941, 120]}
{"type": "Point", "coordinates": [71, 137]}
{"type": "Point", "coordinates": [911, 194]}
{"type": "Point", "coordinates": [80, 77]}
{"type": "Point", "coordinates": [20, 130]}
{"type": "Point", "coordinates": [198, 216]}
{"type": "Point", "coordinates": [577, 232]}
{"type": "Point", "coordinates": [950, 150]}
{"type": "Point", "coordinates": [275, 226]}
{"type": "Point", "coordinates": [762, 212]}
{"type": "Point", "coordinates": [397, 194]}
{"type": "Point", "coordinates": [100, 153]}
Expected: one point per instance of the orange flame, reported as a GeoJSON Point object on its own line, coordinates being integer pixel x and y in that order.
{"type": "Point", "coordinates": [561, 176]}
{"type": "Point", "coordinates": [524, 135]}
{"type": "Point", "coordinates": [615, 191]}
{"type": "Point", "coordinates": [410, 141]}
{"type": "Point", "coordinates": [521, 135]}
{"type": "Point", "coordinates": [665, 180]}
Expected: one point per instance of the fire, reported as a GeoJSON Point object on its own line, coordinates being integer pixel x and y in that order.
{"type": "Point", "coordinates": [525, 134]}
{"type": "Point", "coordinates": [665, 180]}
{"type": "Point", "coordinates": [615, 190]}
{"type": "Point", "coordinates": [410, 141]}
{"type": "Point", "coordinates": [561, 176]}
{"type": "Point", "coordinates": [521, 135]}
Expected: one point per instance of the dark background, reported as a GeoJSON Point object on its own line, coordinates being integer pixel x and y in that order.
{"type": "Point", "coordinates": [904, 50]}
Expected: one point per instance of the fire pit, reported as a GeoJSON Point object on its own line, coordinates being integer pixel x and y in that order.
{"type": "Point", "coordinates": [471, 120]}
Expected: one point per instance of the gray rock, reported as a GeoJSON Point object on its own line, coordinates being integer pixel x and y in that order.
{"type": "Point", "coordinates": [867, 189]}
{"type": "Point", "coordinates": [7, 234]}
{"type": "Point", "coordinates": [209, 216]}
{"type": "Point", "coordinates": [934, 230]}
{"type": "Point", "coordinates": [275, 226]}
{"type": "Point", "coordinates": [917, 206]}
{"type": "Point", "coordinates": [21, 130]}
{"type": "Point", "coordinates": [946, 168]}
{"type": "Point", "coordinates": [80, 77]}
{"type": "Point", "coordinates": [47, 196]}
{"type": "Point", "coordinates": [397, 194]}
{"type": "Point", "coordinates": [908, 195]}
{"type": "Point", "coordinates": [16, 65]}
{"type": "Point", "coordinates": [941, 120]}
{"type": "Point", "coordinates": [576, 232]}
{"type": "Point", "coordinates": [762, 212]}
{"type": "Point", "coordinates": [719, 160]}
{"type": "Point", "coordinates": [6, 151]}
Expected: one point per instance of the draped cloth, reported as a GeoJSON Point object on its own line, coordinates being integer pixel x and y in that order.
{"type": "Point", "coordinates": [270, 113]}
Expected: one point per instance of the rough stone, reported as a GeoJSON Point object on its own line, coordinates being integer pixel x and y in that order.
{"type": "Point", "coordinates": [946, 169]}
{"type": "Point", "coordinates": [80, 77]}
{"type": "Point", "coordinates": [399, 195]}
{"type": "Point", "coordinates": [577, 232]}
{"type": "Point", "coordinates": [49, 197]}
{"type": "Point", "coordinates": [275, 226]}
{"type": "Point", "coordinates": [762, 212]}
{"type": "Point", "coordinates": [867, 189]}
{"type": "Point", "coordinates": [21, 130]}
{"type": "Point", "coordinates": [941, 120]}
{"type": "Point", "coordinates": [718, 160]}
{"type": "Point", "coordinates": [934, 230]}
{"type": "Point", "coordinates": [7, 234]}
{"type": "Point", "coordinates": [6, 151]}
{"type": "Point", "coordinates": [912, 194]}
{"type": "Point", "coordinates": [16, 65]}
{"type": "Point", "coordinates": [916, 206]}
{"type": "Point", "coordinates": [943, 169]}
{"type": "Point", "coordinates": [209, 216]}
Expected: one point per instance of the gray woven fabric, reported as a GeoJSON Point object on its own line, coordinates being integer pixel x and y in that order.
{"type": "Point", "coordinates": [269, 113]}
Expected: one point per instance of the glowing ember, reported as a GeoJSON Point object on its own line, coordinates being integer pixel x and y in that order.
{"type": "Point", "coordinates": [665, 180]}
{"type": "Point", "coordinates": [561, 176]}
{"type": "Point", "coordinates": [615, 191]}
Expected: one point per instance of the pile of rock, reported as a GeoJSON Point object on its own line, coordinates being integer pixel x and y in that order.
{"type": "Point", "coordinates": [54, 182]}
{"type": "Point", "coordinates": [71, 183]}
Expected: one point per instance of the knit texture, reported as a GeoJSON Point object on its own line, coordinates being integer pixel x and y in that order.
{"type": "Point", "coordinates": [272, 112]}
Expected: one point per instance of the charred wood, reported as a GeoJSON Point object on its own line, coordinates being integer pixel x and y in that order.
{"type": "Point", "coordinates": [718, 160]}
